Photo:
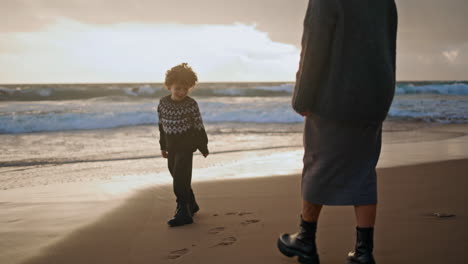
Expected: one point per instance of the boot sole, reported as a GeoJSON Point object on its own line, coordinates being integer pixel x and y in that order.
{"type": "Point", "coordinates": [194, 212]}
{"type": "Point", "coordinates": [180, 223]}
{"type": "Point", "coordinates": [352, 261]}
{"type": "Point", "coordinates": [302, 258]}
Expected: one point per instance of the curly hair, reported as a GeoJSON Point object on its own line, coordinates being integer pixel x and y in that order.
{"type": "Point", "coordinates": [181, 74]}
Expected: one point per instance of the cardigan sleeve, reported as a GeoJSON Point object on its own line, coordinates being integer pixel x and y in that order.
{"type": "Point", "coordinates": [317, 38]}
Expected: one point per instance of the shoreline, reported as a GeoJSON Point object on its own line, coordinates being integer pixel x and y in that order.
{"type": "Point", "coordinates": [401, 124]}
{"type": "Point", "coordinates": [147, 135]}
{"type": "Point", "coordinates": [57, 157]}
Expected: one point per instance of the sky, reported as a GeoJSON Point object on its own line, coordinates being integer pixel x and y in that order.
{"type": "Point", "coordinates": [67, 41]}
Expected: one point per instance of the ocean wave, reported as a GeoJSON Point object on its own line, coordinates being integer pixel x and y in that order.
{"type": "Point", "coordinates": [6, 91]}
{"type": "Point", "coordinates": [287, 88]}
{"type": "Point", "coordinates": [448, 89]}
{"type": "Point", "coordinates": [433, 109]}
{"type": "Point", "coordinates": [44, 92]}
{"type": "Point", "coordinates": [100, 112]}
{"type": "Point", "coordinates": [71, 121]}
{"type": "Point", "coordinates": [142, 90]}
{"type": "Point", "coordinates": [24, 117]}
{"type": "Point", "coordinates": [428, 117]}
{"type": "Point", "coordinates": [230, 92]}
{"type": "Point", "coordinates": [59, 92]}
{"type": "Point", "coordinates": [275, 90]}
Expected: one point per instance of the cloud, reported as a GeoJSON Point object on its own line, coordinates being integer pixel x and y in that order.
{"type": "Point", "coordinates": [427, 28]}
{"type": "Point", "coordinates": [70, 51]}
{"type": "Point", "coordinates": [444, 64]}
{"type": "Point", "coordinates": [451, 55]}
{"type": "Point", "coordinates": [282, 19]}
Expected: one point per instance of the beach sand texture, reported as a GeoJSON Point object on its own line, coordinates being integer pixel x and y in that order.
{"type": "Point", "coordinates": [83, 207]}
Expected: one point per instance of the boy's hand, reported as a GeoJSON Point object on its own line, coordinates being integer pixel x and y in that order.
{"type": "Point", "coordinates": [204, 151]}
{"type": "Point", "coordinates": [164, 154]}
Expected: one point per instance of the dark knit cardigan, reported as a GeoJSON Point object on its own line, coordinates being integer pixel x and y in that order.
{"type": "Point", "coordinates": [347, 64]}
{"type": "Point", "coordinates": [181, 126]}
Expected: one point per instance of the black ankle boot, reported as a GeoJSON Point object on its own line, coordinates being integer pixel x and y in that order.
{"type": "Point", "coordinates": [194, 208]}
{"type": "Point", "coordinates": [183, 216]}
{"type": "Point", "coordinates": [364, 246]}
{"type": "Point", "coordinates": [301, 244]}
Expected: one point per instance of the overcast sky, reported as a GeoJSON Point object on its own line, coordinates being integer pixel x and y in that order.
{"type": "Point", "coordinates": [242, 40]}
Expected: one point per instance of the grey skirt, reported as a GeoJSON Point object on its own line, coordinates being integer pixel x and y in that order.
{"type": "Point", "coordinates": [339, 162]}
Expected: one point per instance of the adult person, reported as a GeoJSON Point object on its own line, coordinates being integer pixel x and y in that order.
{"type": "Point", "coordinates": [344, 87]}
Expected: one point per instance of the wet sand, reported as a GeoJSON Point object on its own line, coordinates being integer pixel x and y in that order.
{"type": "Point", "coordinates": [60, 203]}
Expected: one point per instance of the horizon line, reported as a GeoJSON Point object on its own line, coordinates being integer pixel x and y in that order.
{"type": "Point", "coordinates": [208, 82]}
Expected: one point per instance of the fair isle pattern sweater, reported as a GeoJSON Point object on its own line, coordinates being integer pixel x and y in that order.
{"type": "Point", "coordinates": [181, 126]}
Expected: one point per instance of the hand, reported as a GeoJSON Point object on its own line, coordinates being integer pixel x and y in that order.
{"type": "Point", "coordinates": [164, 154]}
{"type": "Point", "coordinates": [307, 113]}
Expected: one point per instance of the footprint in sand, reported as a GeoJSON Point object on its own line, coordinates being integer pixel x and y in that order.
{"type": "Point", "coordinates": [238, 213]}
{"type": "Point", "coordinates": [250, 221]}
{"type": "Point", "coordinates": [178, 253]}
{"type": "Point", "coordinates": [216, 230]}
{"type": "Point", "coordinates": [244, 213]}
{"type": "Point", "coordinates": [226, 241]}
{"type": "Point", "coordinates": [443, 215]}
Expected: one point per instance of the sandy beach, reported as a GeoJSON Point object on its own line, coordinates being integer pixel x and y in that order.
{"type": "Point", "coordinates": [104, 196]}
{"type": "Point", "coordinates": [99, 98]}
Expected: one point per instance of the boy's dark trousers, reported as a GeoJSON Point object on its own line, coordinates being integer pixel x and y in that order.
{"type": "Point", "coordinates": [180, 167]}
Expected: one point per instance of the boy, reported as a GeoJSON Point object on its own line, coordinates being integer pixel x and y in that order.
{"type": "Point", "coordinates": [181, 133]}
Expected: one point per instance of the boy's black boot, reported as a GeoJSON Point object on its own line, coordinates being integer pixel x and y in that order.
{"type": "Point", "coordinates": [301, 244]}
{"type": "Point", "coordinates": [362, 254]}
{"type": "Point", "coordinates": [183, 216]}
{"type": "Point", "coordinates": [194, 208]}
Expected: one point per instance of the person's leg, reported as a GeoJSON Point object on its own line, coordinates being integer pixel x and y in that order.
{"type": "Point", "coordinates": [194, 208]}
{"type": "Point", "coordinates": [182, 176]}
{"type": "Point", "coordinates": [365, 221]}
{"type": "Point", "coordinates": [365, 215]}
{"type": "Point", "coordinates": [189, 166]}
{"type": "Point", "coordinates": [302, 243]}
{"type": "Point", "coordinates": [170, 166]}
{"type": "Point", "coordinates": [310, 211]}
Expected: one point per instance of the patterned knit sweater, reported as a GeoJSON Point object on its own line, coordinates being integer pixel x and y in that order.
{"type": "Point", "coordinates": [181, 126]}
